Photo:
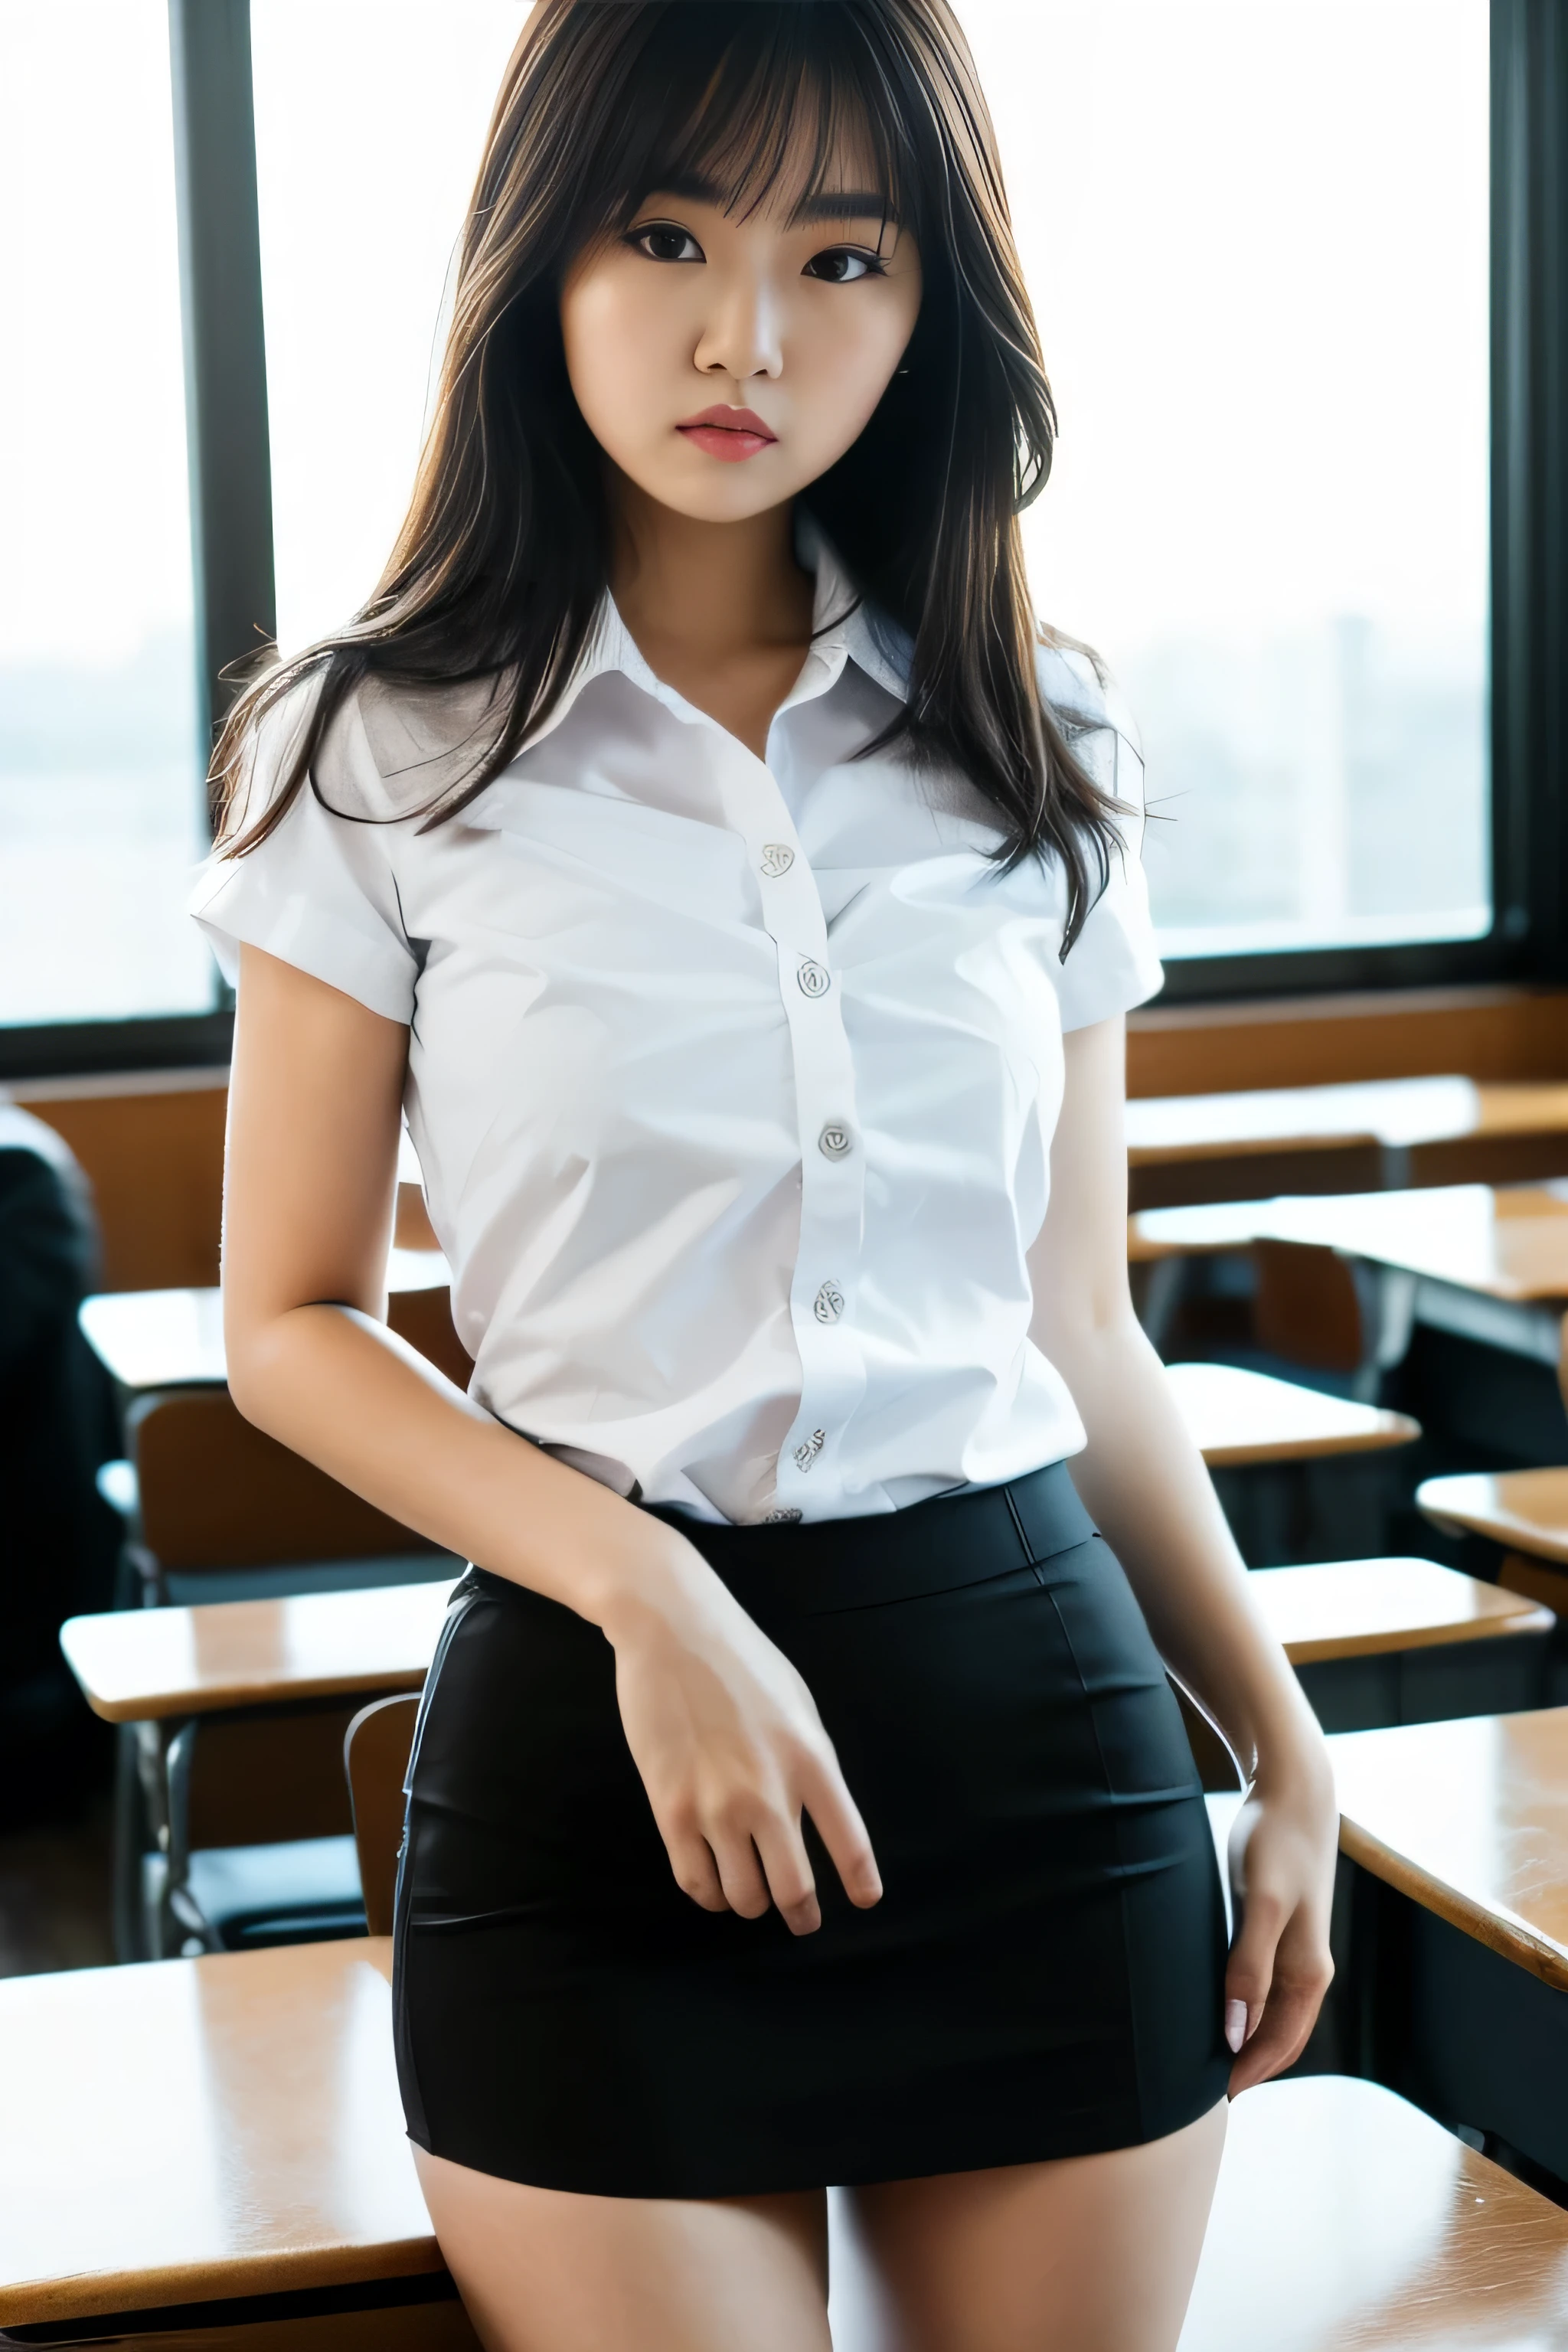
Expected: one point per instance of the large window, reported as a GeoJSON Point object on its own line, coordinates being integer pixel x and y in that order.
{"type": "Point", "coordinates": [1256, 232]}
{"type": "Point", "coordinates": [101, 810]}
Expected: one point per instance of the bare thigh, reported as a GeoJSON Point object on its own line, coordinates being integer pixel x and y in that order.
{"type": "Point", "coordinates": [1095, 2253]}
{"type": "Point", "coordinates": [543, 2271]}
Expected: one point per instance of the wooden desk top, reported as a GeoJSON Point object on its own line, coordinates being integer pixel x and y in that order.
{"type": "Point", "coordinates": [191, 2130]}
{"type": "Point", "coordinates": [142, 1664]}
{"type": "Point", "coordinates": [174, 1338]}
{"type": "Point", "coordinates": [1360, 1608]}
{"type": "Point", "coordinates": [1395, 1113]}
{"type": "Point", "coordinates": [1470, 1820]}
{"type": "Point", "coordinates": [1525, 1510]}
{"type": "Point", "coordinates": [1193, 1233]}
{"type": "Point", "coordinates": [1239, 1417]}
{"type": "Point", "coordinates": [1346, 2221]}
{"type": "Point", "coordinates": [1507, 1241]}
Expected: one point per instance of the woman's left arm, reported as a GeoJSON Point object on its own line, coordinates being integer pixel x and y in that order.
{"type": "Point", "coordinates": [1143, 1480]}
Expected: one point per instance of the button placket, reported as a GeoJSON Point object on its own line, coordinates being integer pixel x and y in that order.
{"type": "Point", "coordinates": [833, 1374]}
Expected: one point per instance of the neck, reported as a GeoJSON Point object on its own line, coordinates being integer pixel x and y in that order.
{"type": "Point", "coordinates": [722, 587]}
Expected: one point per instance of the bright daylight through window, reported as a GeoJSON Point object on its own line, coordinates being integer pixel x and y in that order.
{"type": "Point", "coordinates": [1256, 233]}
{"type": "Point", "coordinates": [101, 810]}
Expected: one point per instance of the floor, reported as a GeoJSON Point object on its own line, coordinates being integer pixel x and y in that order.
{"type": "Point", "coordinates": [54, 1896]}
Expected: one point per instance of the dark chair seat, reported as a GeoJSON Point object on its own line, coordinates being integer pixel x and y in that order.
{"type": "Point", "coordinates": [185, 1588]}
{"type": "Point", "coordinates": [299, 1890]}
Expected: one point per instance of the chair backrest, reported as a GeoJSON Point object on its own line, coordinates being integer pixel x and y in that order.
{"type": "Point", "coordinates": [152, 1151]}
{"type": "Point", "coordinates": [375, 1758]}
{"type": "Point", "coordinates": [1307, 1308]}
{"type": "Point", "coordinates": [216, 1493]}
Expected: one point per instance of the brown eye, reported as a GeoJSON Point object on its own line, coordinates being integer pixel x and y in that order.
{"type": "Point", "coordinates": [666, 241]}
{"type": "Point", "coordinates": [841, 264]}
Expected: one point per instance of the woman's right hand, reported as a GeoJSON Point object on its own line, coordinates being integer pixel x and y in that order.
{"type": "Point", "coordinates": [730, 1747]}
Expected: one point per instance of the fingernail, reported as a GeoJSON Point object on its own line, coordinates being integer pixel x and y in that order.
{"type": "Point", "coordinates": [1236, 2023]}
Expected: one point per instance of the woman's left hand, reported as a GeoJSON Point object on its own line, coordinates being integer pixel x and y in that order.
{"type": "Point", "coordinates": [1282, 1849]}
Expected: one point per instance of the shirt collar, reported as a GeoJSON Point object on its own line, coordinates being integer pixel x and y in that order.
{"type": "Point", "coordinates": [844, 628]}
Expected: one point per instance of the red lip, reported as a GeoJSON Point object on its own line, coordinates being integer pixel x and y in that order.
{"type": "Point", "coordinates": [727, 434]}
{"type": "Point", "coordinates": [729, 420]}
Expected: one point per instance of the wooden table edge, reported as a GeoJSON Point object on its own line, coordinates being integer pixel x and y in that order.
{"type": "Point", "coordinates": [94, 2295]}
{"type": "Point", "coordinates": [231, 1698]}
{"type": "Point", "coordinates": [1530, 1542]}
{"type": "Point", "coordinates": [1319, 1649]}
{"type": "Point", "coordinates": [1246, 1147]}
{"type": "Point", "coordinates": [1311, 1449]}
{"type": "Point", "coordinates": [1502, 1931]}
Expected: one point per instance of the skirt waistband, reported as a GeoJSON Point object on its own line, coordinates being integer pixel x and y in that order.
{"type": "Point", "coordinates": [810, 1568]}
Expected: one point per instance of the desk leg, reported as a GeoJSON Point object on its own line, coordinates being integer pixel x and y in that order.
{"type": "Point", "coordinates": [129, 1843]}
{"type": "Point", "coordinates": [151, 1857]}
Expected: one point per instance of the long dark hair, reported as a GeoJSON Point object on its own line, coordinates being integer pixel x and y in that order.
{"type": "Point", "coordinates": [500, 566]}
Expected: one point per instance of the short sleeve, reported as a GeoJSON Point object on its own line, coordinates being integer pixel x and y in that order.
{"type": "Point", "coordinates": [319, 892]}
{"type": "Point", "coordinates": [1113, 964]}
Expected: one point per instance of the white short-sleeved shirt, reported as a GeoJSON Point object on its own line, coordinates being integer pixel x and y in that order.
{"type": "Point", "coordinates": [733, 1082]}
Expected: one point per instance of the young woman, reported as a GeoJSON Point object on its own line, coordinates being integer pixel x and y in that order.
{"type": "Point", "coordinates": [697, 841]}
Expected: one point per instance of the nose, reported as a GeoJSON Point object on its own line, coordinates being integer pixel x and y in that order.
{"type": "Point", "coordinates": [743, 335]}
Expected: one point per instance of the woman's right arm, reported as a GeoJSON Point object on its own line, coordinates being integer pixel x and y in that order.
{"type": "Point", "coordinates": [722, 1729]}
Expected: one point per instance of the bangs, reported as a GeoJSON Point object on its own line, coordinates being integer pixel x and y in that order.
{"type": "Point", "coordinates": [775, 104]}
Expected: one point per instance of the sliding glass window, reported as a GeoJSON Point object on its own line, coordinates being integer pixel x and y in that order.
{"type": "Point", "coordinates": [101, 806]}
{"type": "Point", "coordinates": [1257, 235]}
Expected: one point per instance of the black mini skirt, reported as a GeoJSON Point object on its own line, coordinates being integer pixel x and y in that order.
{"type": "Point", "coordinates": [1043, 1976]}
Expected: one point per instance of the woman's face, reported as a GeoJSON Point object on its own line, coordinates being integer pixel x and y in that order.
{"type": "Point", "coordinates": [723, 362]}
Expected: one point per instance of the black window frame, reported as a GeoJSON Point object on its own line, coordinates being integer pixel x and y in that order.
{"type": "Point", "coordinates": [231, 507]}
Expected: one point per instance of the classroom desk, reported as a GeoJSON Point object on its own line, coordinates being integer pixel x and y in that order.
{"type": "Point", "coordinates": [1383, 1132]}
{"type": "Point", "coordinates": [1457, 1835]}
{"type": "Point", "coordinates": [1488, 1262]}
{"type": "Point", "coordinates": [1523, 1511]}
{"type": "Point", "coordinates": [189, 2130]}
{"type": "Point", "coordinates": [1239, 1418]}
{"type": "Point", "coordinates": [1344, 1609]}
{"type": "Point", "coordinates": [1346, 2221]}
{"type": "Point", "coordinates": [139, 1666]}
{"type": "Point", "coordinates": [227, 2130]}
{"type": "Point", "coordinates": [174, 1338]}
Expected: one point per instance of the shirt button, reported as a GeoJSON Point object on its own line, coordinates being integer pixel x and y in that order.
{"type": "Point", "coordinates": [835, 1141]}
{"type": "Point", "coordinates": [814, 980]}
{"type": "Point", "coordinates": [809, 1448]}
{"type": "Point", "coordinates": [777, 857]}
{"type": "Point", "coordinates": [828, 1305]}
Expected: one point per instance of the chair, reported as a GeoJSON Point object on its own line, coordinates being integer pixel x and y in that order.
{"type": "Point", "coordinates": [224, 1513]}
{"type": "Point", "coordinates": [256, 1842]}
{"type": "Point", "coordinates": [376, 1748]}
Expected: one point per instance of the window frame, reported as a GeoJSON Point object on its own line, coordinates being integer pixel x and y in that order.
{"type": "Point", "coordinates": [231, 507]}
